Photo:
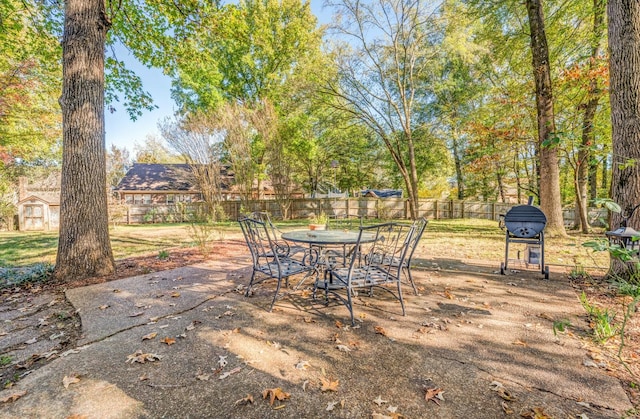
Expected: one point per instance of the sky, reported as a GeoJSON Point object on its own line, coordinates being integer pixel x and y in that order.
{"type": "Point", "coordinates": [122, 132]}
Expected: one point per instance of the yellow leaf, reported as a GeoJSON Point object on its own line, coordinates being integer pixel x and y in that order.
{"type": "Point", "coordinates": [169, 341]}
{"type": "Point", "coordinates": [339, 324]}
{"type": "Point", "coordinates": [66, 381]}
{"type": "Point", "coordinates": [519, 343]}
{"type": "Point", "coordinates": [448, 294]}
{"type": "Point", "coordinates": [150, 336]}
{"type": "Point", "coordinates": [328, 385]}
{"type": "Point", "coordinates": [275, 394]}
{"type": "Point", "coordinates": [175, 295]}
{"type": "Point", "coordinates": [244, 401]}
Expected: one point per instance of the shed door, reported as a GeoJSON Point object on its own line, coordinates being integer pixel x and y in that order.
{"type": "Point", "coordinates": [34, 217]}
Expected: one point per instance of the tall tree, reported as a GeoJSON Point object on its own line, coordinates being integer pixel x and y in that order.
{"type": "Point", "coordinates": [84, 247]}
{"type": "Point", "coordinates": [624, 47]}
{"type": "Point", "coordinates": [379, 82]}
{"type": "Point", "coordinates": [550, 200]}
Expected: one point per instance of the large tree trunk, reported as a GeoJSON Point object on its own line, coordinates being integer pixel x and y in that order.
{"type": "Point", "coordinates": [590, 108]}
{"type": "Point", "coordinates": [624, 47]}
{"type": "Point", "coordinates": [84, 248]}
{"type": "Point", "coordinates": [550, 201]}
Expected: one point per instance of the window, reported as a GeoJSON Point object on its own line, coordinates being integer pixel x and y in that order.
{"type": "Point", "coordinates": [171, 198]}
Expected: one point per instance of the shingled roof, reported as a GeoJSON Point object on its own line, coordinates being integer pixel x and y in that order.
{"type": "Point", "coordinates": [158, 177]}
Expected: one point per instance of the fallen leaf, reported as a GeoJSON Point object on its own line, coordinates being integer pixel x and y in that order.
{"type": "Point", "coordinates": [275, 394]}
{"type": "Point", "coordinates": [169, 341]}
{"type": "Point", "coordinates": [143, 377]}
{"type": "Point", "coordinates": [228, 373]}
{"type": "Point", "coordinates": [328, 385]}
{"type": "Point", "coordinates": [434, 394]}
{"type": "Point", "coordinates": [505, 407]}
{"type": "Point", "coordinates": [13, 396]}
{"type": "Point", "coordinates": [304, 385]}
{"type": "Point", "coordinates": [331, 406]}
{"type": "Point", "coordinates": [202, 377]}
{"type": "Point", "coordinates": [519, 343]}
{"type": "Point", "coordinates": [244, 401]}
{"type": "Point", "coordinates": [380, 416]}
{"type": "Point", "coordinates": [308, 320]}
{"type": "Point", "coordinates": [142, 357]}
{"type": "Point", "coordinates": [302, 365]}
{"type": "Point", "coordinates": [150, 336]}
{"type": "Point", "coordinates": [31, 341]}
{"type": "Point", "coordinates": [448, 294]}
{"type": "Point", "coordinates": [339, 324]}
{"type": "Point", "coordinates": [380, 330]}
{"type": "Point", "coordinates": [379, 401]}
{"type": "Point", "coordinates": [343, 348]}
{"type": "Point", "coordinates": [535, 413]}
{"type": "Point", "coordinates": [67, 380]}
{"type": "Point", "coordinates": [104, 307]}
{"type": "Point", "coordinates": [175, 295]}
{"type": "Point", "coordinates": [139, 313]}
{"type": "Point", "coordinates": [222, 361]}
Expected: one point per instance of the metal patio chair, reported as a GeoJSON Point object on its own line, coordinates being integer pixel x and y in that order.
{"type": "Point", "coordinates": [365, 270]}
{"type": "Point", "coordinates": [269, 260]}
{"type": "Point", "coordinates": [418, 228]}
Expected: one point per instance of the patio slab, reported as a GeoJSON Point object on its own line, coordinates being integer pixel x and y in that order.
{"type": "Point", "coordinates": [484, 342]}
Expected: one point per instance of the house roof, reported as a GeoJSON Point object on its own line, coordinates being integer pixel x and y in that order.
{"type": "Point", "coordinates": [50, 198]}
{"type": "Point", "coordinates": [158, 177]}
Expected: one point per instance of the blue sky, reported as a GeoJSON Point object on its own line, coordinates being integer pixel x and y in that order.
{"type": "Point", "coordinates": [123, 132]}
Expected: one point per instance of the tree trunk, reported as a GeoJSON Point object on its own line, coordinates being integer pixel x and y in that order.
{"type": "Point", "coordinates": [624, 47]}
{"type": "Point", "coordinates": [457, 158]}
{"type": "Point", "coordinates": [550, 200]}
{"type": "Point", "coordinates": [84, 248]}
{"type": "Point", "coordinates": [590, 108]}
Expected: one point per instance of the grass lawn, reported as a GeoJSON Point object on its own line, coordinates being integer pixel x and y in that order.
{"type": "Point", "coordinates": [461, 239]}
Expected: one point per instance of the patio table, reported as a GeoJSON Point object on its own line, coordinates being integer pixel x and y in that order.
{"type": "Point", "coordinates": [325, 239]}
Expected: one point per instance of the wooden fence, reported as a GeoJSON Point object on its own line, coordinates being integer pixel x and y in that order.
{"type": "Point", "coordinates": [387, 208]}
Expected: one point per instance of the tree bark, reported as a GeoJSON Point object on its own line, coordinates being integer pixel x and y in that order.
{"type": "Point", "coordinates": [550, 200]}
{"type": "Point", "coordinates": [84, 248]}
{"type": "Point", "coordinates": [590, 108]}
{"type": "Point", "coordinates": [624, 47]}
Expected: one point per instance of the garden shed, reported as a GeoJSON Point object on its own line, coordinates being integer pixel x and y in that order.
{"type": "Point", "coordinates": [39, 204]}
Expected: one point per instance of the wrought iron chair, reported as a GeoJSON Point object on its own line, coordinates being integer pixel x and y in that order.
{"type": "Point", "coordinates": [418, 228]}
{"type": "Point", "coordinates": [269, 260]}
{"type": "Point", "coordinates": [365, 269]}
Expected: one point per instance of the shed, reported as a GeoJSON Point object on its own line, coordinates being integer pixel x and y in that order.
{"type": "Point", "coordinates": [39, 212]}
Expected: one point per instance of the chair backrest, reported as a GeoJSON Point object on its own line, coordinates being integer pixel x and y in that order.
{"type": "Point", "coordinates": [344, 222]}
{"type": "Point", "coordinates": [379, 244]}
{"type": "Point", "coordinates": [418, 228]}
{"type": "Point", "coordinates": [258, 239]}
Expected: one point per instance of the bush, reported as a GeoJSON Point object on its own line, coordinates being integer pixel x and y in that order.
{"type": "Point", "coordinates": [39, 272]}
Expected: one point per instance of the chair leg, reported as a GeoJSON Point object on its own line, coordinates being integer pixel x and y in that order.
{"type": "Point", "coordinates": [408, 272]}
{"type": "Point", "coordinates": [253, 275]}
{"type": "Point", "coordinates": [350, 306]}
{"type": "Point", "coordinates": [276, 294]}
{"type": "Point", "coordinates": [400, 297]}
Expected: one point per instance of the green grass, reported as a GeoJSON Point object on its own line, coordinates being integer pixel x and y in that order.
{"type": "Point", "coordinates": [449, 239]}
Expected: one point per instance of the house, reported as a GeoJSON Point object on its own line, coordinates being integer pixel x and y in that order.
{"type": "Point", "coordinates": [39, 203]}
{"type": "Point", "coordinates": [146, 184]}
{"type": "Point", "coordinates": [158, 184]}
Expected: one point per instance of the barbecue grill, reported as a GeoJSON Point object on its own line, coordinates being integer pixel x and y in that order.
{"type": "Point", "coordinates": [525, 224]}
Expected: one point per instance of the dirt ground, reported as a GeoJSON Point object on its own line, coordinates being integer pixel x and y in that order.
{"type": "Point", "coordinates": [39, 324]}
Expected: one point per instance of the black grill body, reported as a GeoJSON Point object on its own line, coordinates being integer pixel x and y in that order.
{"type": "Point", "coordinates": [525, 224]}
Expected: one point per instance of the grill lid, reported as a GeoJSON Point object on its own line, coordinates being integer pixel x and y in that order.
{"type": "Point", "coordinates": [525, 221]}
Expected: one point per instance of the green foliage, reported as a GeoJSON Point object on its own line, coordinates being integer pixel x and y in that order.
{"type": "Point", "coordinates": [5, 360]}
{"type": "Point", "coordinates": [602, 321]}
{"type": "Point", "coordinates": [560, 326]}
{"type": "Point", "coordinates": [163, 255]}
{"type": "Point", "coordinates": [39, 272]}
